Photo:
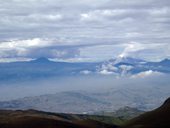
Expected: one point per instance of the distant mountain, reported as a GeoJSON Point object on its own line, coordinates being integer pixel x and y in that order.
{"type": "Point", "coordinates": [158, 118]}
{"type": "Point", "coordinates": [161, 64]}
{"type": "Point", "coordinates": [165, 62]}
{"type": "Point", "coordinates": [41, 60]}
{"type": "Point", "coordinates": [145, 98]}
{"type": "Point", "coordinates": [44, 68]}
{"type": "Point", "coordinates": [128, 60]}
{"type": "Point", "coordinates": [124, 66]}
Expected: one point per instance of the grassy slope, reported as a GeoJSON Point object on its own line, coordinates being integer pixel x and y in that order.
{"type": "Point", "coordinates": [159, 118]}
{"type": "Point", "coordinates": [122, 114]}
{"type": "Point", "coordinates": [36, 119]}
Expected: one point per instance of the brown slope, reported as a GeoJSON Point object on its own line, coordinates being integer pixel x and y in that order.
{"type": "Point", "coordinates": [158, 118]}
{"type": "Point", "coordinates": [37, 119]}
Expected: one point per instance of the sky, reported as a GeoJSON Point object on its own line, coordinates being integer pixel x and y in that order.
{"type": "Point", "coordinates": [84, 30]}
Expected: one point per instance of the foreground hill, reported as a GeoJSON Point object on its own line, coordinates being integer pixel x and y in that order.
{"type": "Point", "coordinates": [38, 119]}
{"type": "Point", "coordinates": [159, 118]}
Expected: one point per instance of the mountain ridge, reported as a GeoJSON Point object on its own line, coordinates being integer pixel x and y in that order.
{"type": "Point", "coordinates": [44, 68]}
{"type": "Point", "coordinates": [34, 119]}
{"type": "Point", "coordinates": [158, 118]}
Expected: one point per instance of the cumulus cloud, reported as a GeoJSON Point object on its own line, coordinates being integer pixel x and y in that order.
{"type": "Point", "coordinates": [148, 51]}
{"type": "Point", "coordinates": [36, 48]}
{"type": "Point", "coordinates": [106, 72]}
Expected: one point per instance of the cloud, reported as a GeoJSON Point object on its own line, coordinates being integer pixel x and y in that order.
{"type": "Point", "coordinates": [148, 73]}
{"type": "Point", "coordinates": [102, 14]}
{"type": "Point", "coordinates": [106, 27]}
{"type": "Point", "coordinates": [66, 50]}
{"type": "Point", "coordinates": [160, 12]}
{"type": "Point", "coordinates": [36, 48]}
{"type": "Point", "coordinates": [46, 17]}
{"type": "Point", "coordinates": [50, 52]}
{"type": "Point", "coordinates": [131, 48]}
{"type": "Point", "coordinates": [146, 51]}
{"type": "Point", "coordinates": [106, 72]}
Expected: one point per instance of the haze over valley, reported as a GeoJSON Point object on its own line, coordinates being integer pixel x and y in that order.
{"type": "Point", "coordinates": [70, 87]}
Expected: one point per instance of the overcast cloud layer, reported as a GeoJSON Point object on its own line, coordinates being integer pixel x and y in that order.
{"type": "Point", "coordinates": [84, 30]}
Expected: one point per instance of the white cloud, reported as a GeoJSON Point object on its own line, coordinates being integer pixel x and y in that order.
{"type": "Point", "coordinates": [146, 51]}
{"type": "Point", "coordinates": [130, 48]}
{"type": "Point", "coordinates": [46, 17]}
{"type": "Point", "coordinates": [147, 74]}
{"type": "Point", "coordinates": [35, 48]}
{"type": "Point", "coordinates": [160, 12]}
{"type": "Point", "coordinates": [133, 34]}
{"type": "Point", "coordinates": [98, 15]}
{"type": "Point", "coordinates": [15, 44]}
{"type": "Point", "coordinates": [105, 72]}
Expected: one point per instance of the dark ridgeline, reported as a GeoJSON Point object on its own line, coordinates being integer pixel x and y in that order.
{"type": "Point", "coordinates": [39, 119]}
{"type": "Point", "coordinates": [158, 118]}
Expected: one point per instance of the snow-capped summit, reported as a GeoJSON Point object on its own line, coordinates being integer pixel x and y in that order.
{"type": "Point", "coordinates": [129, 60]}
{"type": "Point", "coordinates": [120, 65]}
{"type": "Point", "coordinates": [123, 65]}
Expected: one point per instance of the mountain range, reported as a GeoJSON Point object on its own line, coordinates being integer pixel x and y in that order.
{"type": "Point", "coordinates": [109, 100]}
{"type": "Point", "coordinates": [41, 68]}
{"type": "Point", "coordinates": [44, 68]}
{"type": "Point", "coordinates": [123, 66]}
